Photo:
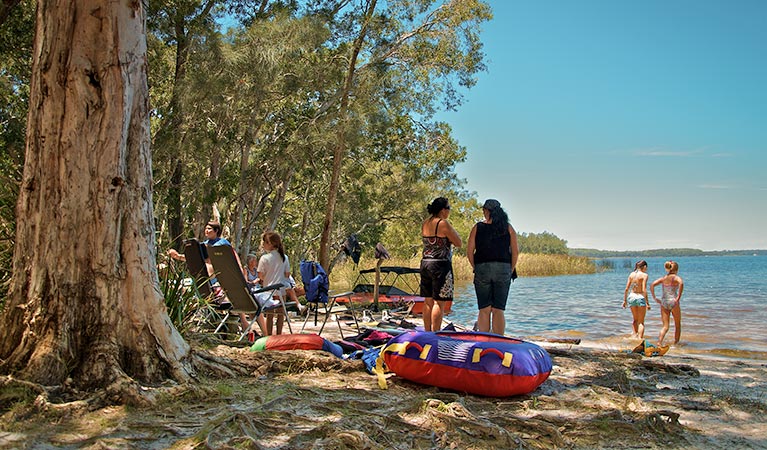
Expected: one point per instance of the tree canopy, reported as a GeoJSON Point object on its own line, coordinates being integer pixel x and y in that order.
{"type": "Point", "coordinates": [273, 117]}
{"type": "Point", "coordinates": [269, 114]}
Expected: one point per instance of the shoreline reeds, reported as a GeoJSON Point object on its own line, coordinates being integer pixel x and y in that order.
{"type": "Point", "coordinates": [345, 274]}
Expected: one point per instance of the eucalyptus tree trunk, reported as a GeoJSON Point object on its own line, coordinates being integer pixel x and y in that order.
{"type": "Point", "coordinates": [339, 151]}
{"type": "Point", "coordinates": [279, 198]}
{"type": "Point", "coordinates": [84, 301]}
{"type": "Point", "coordinates": [170, 130]}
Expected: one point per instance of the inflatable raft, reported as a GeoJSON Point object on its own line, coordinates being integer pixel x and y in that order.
{"type": "Point", "coordinates": [296, 342]}
{"type": "Point", "coordinates": [478, 363]}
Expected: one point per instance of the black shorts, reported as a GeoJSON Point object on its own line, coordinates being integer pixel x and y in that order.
{"type": "Point", "coordinates": [437, 279]}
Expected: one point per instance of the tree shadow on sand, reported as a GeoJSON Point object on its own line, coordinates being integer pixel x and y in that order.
{"type": "Point", "coordinates": [303, 399]}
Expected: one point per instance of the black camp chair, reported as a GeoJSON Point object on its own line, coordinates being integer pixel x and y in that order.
{"type": "Point", "coordinates": [243, 299]}
{"type": "Point", "coordinates": [195, 263]}
{"type": "Point", "coordinates": [208, 318]}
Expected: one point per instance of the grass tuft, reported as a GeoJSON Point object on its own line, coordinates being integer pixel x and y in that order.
{"type": "Point", "coordinates": [344, 275]}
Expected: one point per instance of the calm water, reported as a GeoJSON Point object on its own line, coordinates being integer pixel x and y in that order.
{"type": "Point", "coordinates": [723, 305]}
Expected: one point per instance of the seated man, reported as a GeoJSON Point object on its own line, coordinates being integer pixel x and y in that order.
{"type": "Point", "coordinates": [213, 238]}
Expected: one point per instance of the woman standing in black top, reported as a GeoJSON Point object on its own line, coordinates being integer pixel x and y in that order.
{"type": "Point", "coordinates": [492, 251]}
{"type": "Point", "coordinates": [436, 263]}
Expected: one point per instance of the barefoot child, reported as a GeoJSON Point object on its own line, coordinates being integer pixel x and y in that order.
{"type": "Point", "coordinates": [635, 297]}
{"type": "Point", "coordinates": [673, 286]}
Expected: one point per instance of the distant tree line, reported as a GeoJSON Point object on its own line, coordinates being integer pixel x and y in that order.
{"type": "Point", "coordinates": [662, 252]}
{"type": "Point", "coordinates": [541, 243]}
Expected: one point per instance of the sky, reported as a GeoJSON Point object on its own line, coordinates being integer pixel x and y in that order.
{"type": "Point", "coordinates": [623, 125]}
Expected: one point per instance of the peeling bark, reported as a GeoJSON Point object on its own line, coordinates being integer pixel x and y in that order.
{"type": "Point", "coordinates": [84, 301]}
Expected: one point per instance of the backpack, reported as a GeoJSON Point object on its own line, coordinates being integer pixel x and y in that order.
{"type": "Point", "coordinates": [316, 282]}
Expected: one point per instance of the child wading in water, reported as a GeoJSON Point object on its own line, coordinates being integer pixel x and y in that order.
{"type": "Point", "coordinates": [673, 286]}
{"type": "Point", "coordinates": [635, 297]}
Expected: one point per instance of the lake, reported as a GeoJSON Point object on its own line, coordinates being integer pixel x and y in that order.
{"type": "Point", "coordinates": [723, 305]}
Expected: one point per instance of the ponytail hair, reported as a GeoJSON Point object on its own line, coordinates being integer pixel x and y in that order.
{"type": "Point", "coordinates": [641, 263]}
{"type": "Point", "coordinates": [672, 267]}
{"type": "Point", "coordinates": [436, 206]}
{"type": "Point", "coordinates": [274, 239]}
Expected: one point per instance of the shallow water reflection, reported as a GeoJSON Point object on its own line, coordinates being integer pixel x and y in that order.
{"type": "Point", "coordinates": [722, 306]}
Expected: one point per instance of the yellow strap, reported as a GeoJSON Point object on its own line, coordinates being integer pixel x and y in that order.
{"type": "Point", "coordinates": [505, 362]}
{"type": "Point", "coordinates": [397, 347]}
{"type": "Point", "coordinates": [425, 351]}
{"type": "Point", "coordinates": [379, 370]}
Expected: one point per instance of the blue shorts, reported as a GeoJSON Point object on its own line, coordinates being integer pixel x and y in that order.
{"type": "Point", "coordinates": [635, 299]}
{"type": "Point", "coordinates": [491, 283]}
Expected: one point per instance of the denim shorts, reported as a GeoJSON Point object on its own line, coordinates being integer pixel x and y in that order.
{"type": "Point", "coordinates": [491, 283]}
{"type": "Point", "coordinates": [635, 299]}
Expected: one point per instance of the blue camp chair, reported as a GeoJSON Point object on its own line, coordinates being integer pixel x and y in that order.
{"type": "Point", "coordinates": [316, 285]}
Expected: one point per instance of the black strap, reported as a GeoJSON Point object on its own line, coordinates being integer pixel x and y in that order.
{"type": "Point", "coordinates": [437, 227]}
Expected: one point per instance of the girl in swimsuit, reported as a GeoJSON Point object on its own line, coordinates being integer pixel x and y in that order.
{"type": "Point", "coordinates": [635, 296]}
{"type": "Point", "coordinates": [673, 286]}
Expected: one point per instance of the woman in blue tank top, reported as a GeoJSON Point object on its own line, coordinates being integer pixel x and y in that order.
{"type": "Point", "coordinates": [492, 251]}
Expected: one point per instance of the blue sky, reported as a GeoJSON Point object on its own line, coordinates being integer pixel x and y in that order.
{"type": "Point", "coordinates": [623, 125]}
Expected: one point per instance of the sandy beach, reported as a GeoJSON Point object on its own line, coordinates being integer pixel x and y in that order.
{"type": "Point", "coordinates": [598, 396]}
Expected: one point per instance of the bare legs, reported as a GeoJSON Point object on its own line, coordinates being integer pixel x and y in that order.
{"type": "Point", "coordinates": [428, 305]}
{"type": "Point", "coordinates": [498, 321]}
{"type": "Point", "coordinates": [665, 319]}
{"type": "Point", "coordinates": [244, 324]}
{"type": "Point", "coordinates": [638, 312]}
{"type": "Point", "coordinates": [436, 315]}
{"type": "Point", "coordinates": [491, 320]}
{"type": "Point", "coordinates": [483, 320]}
{"type": "Point", "coordinates": [270, 317]}
{"type": "Point", "coordinates": [677, 313]}
{"type": "Point", "coordinates": [270, 323]}
{"type": "Point", "coordinates": [294, 298]}
{"type": "Point", "coordinates": [432, 314]}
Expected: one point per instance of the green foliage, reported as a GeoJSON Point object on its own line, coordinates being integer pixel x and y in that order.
{"type": "Point", "coordinates": [543, 243]}
{"type": "Point", "coordinates": [185, 306]}
{"type": "Point", "coordinates": [16, 397]}
{"type": "Point", "coordinates": [16, 35]}
{"type": "Point", "coordinates": [245, 118]}
{"type": "Point", "coordinates": [256, 119]}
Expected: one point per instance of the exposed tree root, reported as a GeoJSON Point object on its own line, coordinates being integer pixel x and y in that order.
{"type": "Point", "coordinates": [312, 400]}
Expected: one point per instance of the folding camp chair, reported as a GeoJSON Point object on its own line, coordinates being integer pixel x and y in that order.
{"type": "Point", "coordinates": [195, 263]}
{"type": "Point", "coordinates": [244, 300]}
{"type": "Point", "coordinates": [316, 285]}
{"type": "Point", "coordinates": [210, 318]}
